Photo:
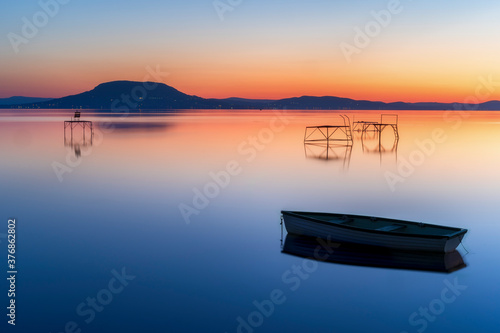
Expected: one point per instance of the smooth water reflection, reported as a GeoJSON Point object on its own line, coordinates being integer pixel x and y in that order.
{"type": "Point", "coordinates": [350, 254]}
{"type": "Point", "coordinates": [117, 206]}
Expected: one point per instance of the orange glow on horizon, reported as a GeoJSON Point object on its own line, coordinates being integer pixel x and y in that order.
{"type": "Point", "coordinates": [409, 61]}
{"type": "Point", "coordinates": [259, 82]}
{"type": "Point", "coordinates": [268, 90]}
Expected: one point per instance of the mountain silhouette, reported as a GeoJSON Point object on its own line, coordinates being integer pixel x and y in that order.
{"type": "Point", "coordinates": [22, 100]}
{"type": "Point", "coordinates": [121, 95]}
{"type": "Point", "coordinates": [131, 95]}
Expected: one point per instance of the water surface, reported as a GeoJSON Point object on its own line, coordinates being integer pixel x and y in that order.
{"type": "Point", "coordinates": [89, 210]}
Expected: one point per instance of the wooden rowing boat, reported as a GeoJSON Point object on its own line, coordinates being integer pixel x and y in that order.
{"type": "Point", "coordinates": [374, 231]}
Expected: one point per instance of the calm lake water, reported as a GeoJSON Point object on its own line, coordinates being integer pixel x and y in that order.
{"type": "Point", "coordinates": [171, 222]}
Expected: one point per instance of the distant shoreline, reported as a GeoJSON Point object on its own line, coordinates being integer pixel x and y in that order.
{"type": "Point", "coordinates": [208, 111]}
{"type": "Point", "coordinates": [123, 96]}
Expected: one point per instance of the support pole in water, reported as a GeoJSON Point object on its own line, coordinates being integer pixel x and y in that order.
{"type": "Point", "coordinates": [281, 224]}
{"type": "Point", "coordinates": [461, 243]}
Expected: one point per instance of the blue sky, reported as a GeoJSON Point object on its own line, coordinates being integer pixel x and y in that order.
{"type": "Point", "coordinates": [261, 49]}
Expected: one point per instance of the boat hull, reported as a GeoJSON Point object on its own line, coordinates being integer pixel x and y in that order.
{"type": "Point", "coordinates": [309, 227]}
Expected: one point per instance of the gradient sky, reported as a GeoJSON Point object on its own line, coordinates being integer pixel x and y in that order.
{"type": "Point", "coordinates": [430, 51]}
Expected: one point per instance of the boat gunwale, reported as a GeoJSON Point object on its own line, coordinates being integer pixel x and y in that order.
{"type": "Point", "coordinates": [458, 231]}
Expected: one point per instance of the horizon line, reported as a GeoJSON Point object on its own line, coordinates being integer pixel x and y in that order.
{"type": "Point", "coordinates": [256, 98]}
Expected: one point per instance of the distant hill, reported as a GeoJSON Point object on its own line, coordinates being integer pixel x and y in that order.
{"type": "Point", "coordinates": [121, 95]}
{"type": "Point", "coordinates": [338, 103]}
{"type": "Point", "coordinates": [126, 95]}
{"type": "Point", "coordinates": [22, 100]}
{"type": "Point", "coordinates": [491, 105]}
{"type": "Point", "coordinates": [324, 103]}
{"type": "Point", "coordinates": [237, 99]}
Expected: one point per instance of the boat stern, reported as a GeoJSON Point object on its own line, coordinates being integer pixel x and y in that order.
{"type": "Point", "coordinates": [454, 242]}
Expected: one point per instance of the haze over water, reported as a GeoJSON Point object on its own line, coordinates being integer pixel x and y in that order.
{"type": "Point", "coordinates": [116, 206]}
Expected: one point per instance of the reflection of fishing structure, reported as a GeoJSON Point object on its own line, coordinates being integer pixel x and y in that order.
{"type": "Point", "coordinates": [343, 253]}
{"type": "Point", "coordinates": [76, 143]}
{"type": "Point", "coordinates": [330, 142]}
{"type": "Point", "coordinates": [329, 151]}
{"type": "Point", "coordinates": [335, 142]}
{"type": "Point", "coordinates": [372, 140]}
{"type": "Point", "coordinates": [379, 147]}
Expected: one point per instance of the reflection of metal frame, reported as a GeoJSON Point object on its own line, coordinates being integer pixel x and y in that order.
{"type": "Point", "coordinates": [77, 146]}
{"type": "Point", "coordinates": [377, 128]}
{"type": "Point", "coordinates": [379, 146]}
{"type": "Point", "coordinates": [84, 125]}
{"type": "Point", "coordinates": [326, 133]}
{"type": "Point", "coordinates": [329, 152]}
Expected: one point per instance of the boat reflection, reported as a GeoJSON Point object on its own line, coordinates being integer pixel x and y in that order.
{"type": "Point", "coordinates": [349, 254]}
